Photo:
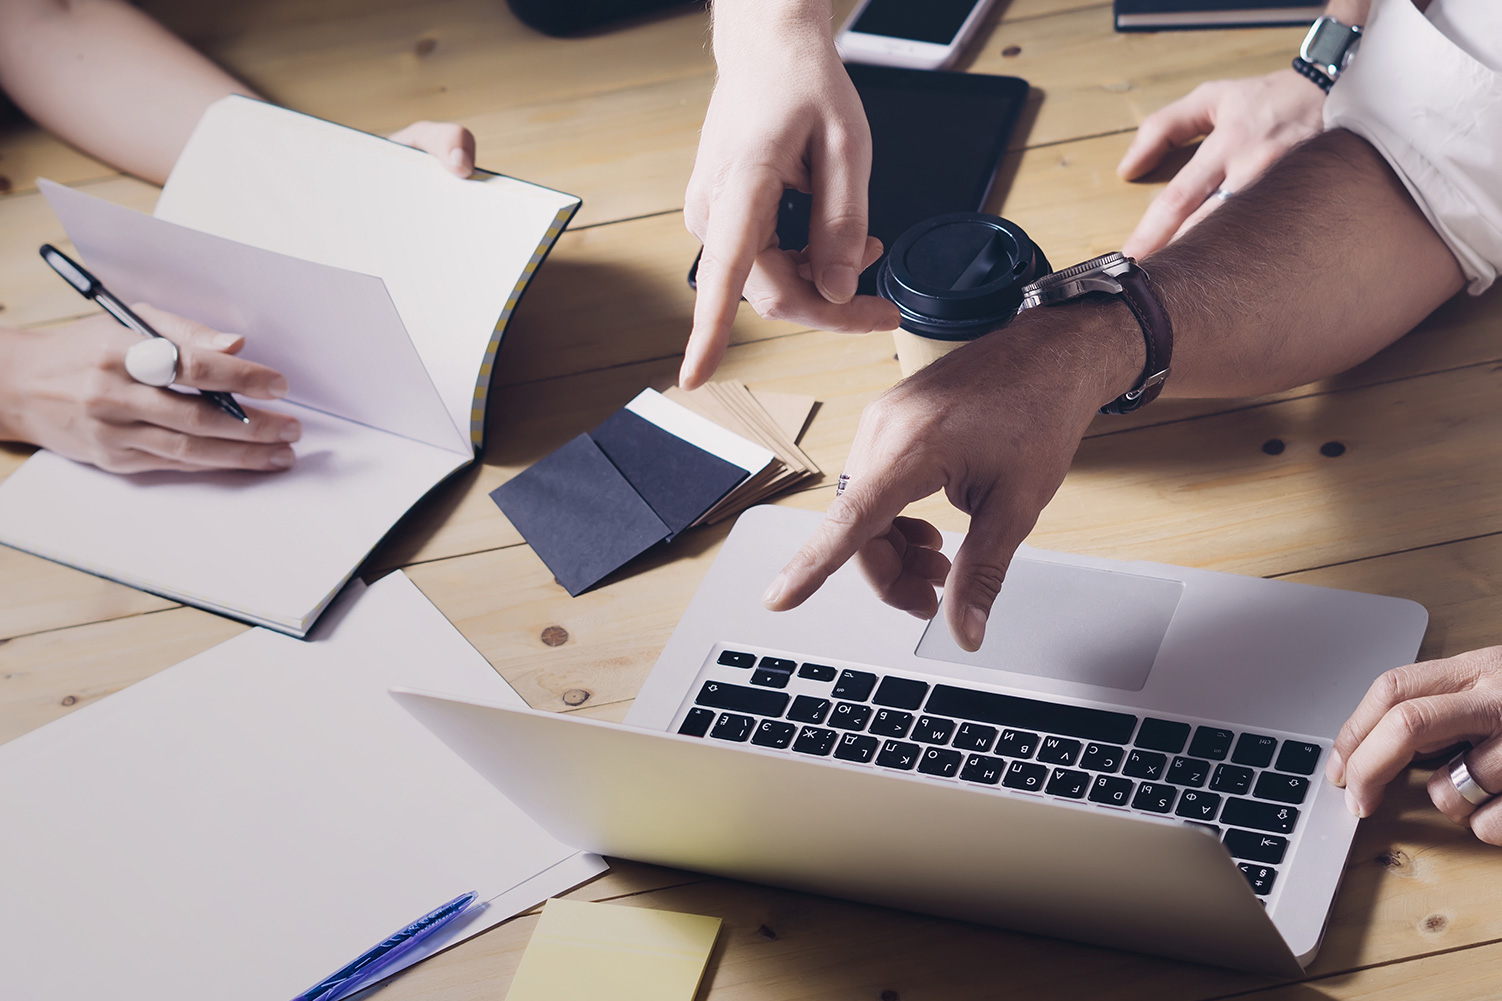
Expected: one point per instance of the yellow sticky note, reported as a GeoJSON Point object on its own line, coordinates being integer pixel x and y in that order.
{"type": "Point", "coordinates": [584, 952]}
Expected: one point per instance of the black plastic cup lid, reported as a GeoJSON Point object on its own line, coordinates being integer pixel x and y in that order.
{"type": "Point", "coordinates": [955, 277]}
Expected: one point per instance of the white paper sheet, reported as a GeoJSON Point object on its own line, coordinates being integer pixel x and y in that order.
{"type": "Point", "coordinates": [270, 548]}
{"type": "Point", "coordinates": [676, 419]}
{"type": "Point", "coordinates": [451, 251]}
{"type": "Point", "coordinates": [241, 825]}
{"type": "Point", "coordinates": [333, 333]}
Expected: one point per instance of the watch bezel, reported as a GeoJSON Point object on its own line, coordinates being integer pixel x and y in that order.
{"type": "Point", "coordinates": [1329, 45]}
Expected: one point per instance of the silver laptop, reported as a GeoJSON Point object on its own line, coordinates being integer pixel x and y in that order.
{"type": "Point", "coordinates": [1134, 757]}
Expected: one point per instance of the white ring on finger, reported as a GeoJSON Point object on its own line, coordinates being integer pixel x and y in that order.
{"type": "Point", "coordinates": [152, 362]}
{"type": "Point", "coordinates": [1469, 789]}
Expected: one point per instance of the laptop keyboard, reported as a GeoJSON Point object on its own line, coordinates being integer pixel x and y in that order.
{"type": "Point", "coordinates": [1245, 787]}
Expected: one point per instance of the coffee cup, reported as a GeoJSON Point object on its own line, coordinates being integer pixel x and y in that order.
{"type": "Point", "coordinates": [954, 278]}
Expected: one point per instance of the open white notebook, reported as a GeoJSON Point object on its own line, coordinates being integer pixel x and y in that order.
{"type": "Point", "coordinates": [376, 281]}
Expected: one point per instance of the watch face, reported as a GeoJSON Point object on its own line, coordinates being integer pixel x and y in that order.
{"type": "Point", "coordinates": [1326, 45]}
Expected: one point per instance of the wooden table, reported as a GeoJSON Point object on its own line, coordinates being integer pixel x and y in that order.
{"type": "Point", "coordinates": [1412, 506]}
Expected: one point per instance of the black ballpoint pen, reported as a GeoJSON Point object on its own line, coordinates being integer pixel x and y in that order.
{"type": "Point", "coordinates": [91, 288]}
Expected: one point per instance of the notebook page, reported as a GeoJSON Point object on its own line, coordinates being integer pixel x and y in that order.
{"type": "Point", "coordinates": [334, 334]}
{"type": "Point", "coordinates": [244, 823]}
{"type": "Point", "coordinates": [270, 548]}
{"type": "Point", "coordinates": [455, 254]}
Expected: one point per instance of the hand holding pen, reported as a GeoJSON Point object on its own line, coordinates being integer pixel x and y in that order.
{"type": "Point", "coordinates": [68, 389]}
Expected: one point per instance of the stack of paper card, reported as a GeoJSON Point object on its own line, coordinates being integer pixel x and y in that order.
{"type": "Point", "coordinates": [661, 465]}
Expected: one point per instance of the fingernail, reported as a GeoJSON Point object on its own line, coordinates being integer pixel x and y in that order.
{"type": "Point", "coordinates": [838, 283]}
{"type": "Point", "coordinates": [1353, 805]}
{"type": "Point", "coordinates": [278, 387]}
{"type": "Point", "coordinates": [1335, 769]}
{"type": "Point", "coordinates": [774, 590]}
{"type": "Point", "coordinates": [282, 458]}
{"type": "Point", "coordinates": [974, 628]}
{"type": "Point", "coordinates": [292, 432]}
{"type": "Point", "coordinates": [223, 342]}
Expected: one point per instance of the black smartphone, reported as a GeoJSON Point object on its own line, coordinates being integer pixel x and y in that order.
{"type": "Point", "coordinates": [936, 141]}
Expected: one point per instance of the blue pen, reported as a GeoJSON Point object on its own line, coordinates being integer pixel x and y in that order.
{"type": "Point", "coordinates": [351, 977]}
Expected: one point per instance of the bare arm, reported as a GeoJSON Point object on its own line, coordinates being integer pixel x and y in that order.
{"type": "Point", "coordinates": [108, 79]}
{"type": "Point", "coordinates": [1317, 266]}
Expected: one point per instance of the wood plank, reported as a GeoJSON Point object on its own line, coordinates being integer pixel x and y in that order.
{"type": "Point", "coordinates": [37, 595]}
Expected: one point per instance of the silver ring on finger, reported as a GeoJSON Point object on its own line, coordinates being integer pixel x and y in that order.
{"type": "Point", "coordinates": [841, 484]}
{"type": "Point", "coordinates": [152, 362]}
{"type": "Point", "coordinates": [1222, 193]}
{"type": "Point", "coordinates": [1469, 789]}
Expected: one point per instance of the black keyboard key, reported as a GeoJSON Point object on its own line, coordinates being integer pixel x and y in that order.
{"type": "Point", "coordinates": [983, 768]}
{"type": "Point", "coordinates": [773, 733]}
{"type": "Point", "coordinates": [854, 685]}
{"type": "Point", "coordinates": [1058, 750]}
{"type": "Point", "coordinates": [1260, 876]}
{"type": "Point", "coordinates": [1068, 783]}
{"type": "Point", "coordinates": [891, 723]}
{"type": "Point", "coordinates": [974, 737]}
{"type": "Point", "coordinates": [1009, 710]}
{"type": "Point", "coordinates": [1196, 805]}
{"type": "Point", "coordinates": [758, 702]}
{"type": "Point", "coordinates": [850, 716]}
{"type": "Point", "coordinates": [777, 664]}
{"type": "Point", "coordinates": [900, 693]}
{"type": "Point", "coordinates": [813, 740]}
{"type": "Point", "coordinates": [939, 761]}
{"type": "Point", "coordinates": [1025, 775]}
{"type": "Point", "coordinates": [696, 723]}
{"type": "Point", "coordinates": [1154, 797]}
{"type": "Point", "coordinates": [1144, 764]}
{"type": "Point", "coordinates": [1298, 757]}
{"type": "Point", "coordinates": [1102, 757]}
{"type": "Point", "coordinates": [1193, 772]}
{"type": "Point", "coordinates": [731, 658]}
{"type": "Point", "coordinates": [897, 754]}
{"type": "Point", "coordinates": [733, 726]}
{"type": "Point", "coordinates": [1254, 749]}
{"type": "Point", "coordinates": [807, 709]}
{"type": "Point", "coordinates": [1283, 788]}
{"type": "Point", "coordinates": [1211, 742]}
{"type": "Point", "coordinates": [933, 730]}
{"type": "Point", "coordinates": [817, 672]}
{"type": "Point", "coordinates": [1233, 780]}
{"type": "Point", "coordinates": [1111, 790]}
{"type": "Point", "coordinates": [1256, 846]}
{"type": "Point", "coordinates": [1162, 735]}
{"type": "Point", "coordinates": [770, 679]}
{"type": "Point", "coordinates": [1017, 743]}
{"type": "Point", "coordinates": [856, 747]}
{"type": "Point", "coordinates": [1259, 816]}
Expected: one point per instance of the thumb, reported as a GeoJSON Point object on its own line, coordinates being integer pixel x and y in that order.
{"type": "Point", "coordinates": [980, 567]}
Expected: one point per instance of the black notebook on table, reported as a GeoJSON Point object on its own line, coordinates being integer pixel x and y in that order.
{"type": "Point", "coordinates": [1159, 15]}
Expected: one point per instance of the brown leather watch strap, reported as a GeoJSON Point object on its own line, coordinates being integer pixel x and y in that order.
{"type": "Point", "coordinates": [1157, 333]}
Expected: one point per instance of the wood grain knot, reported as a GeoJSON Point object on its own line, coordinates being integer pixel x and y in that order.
{"type": "Point", "coordinates": [1011, 51]}
{"type": "Point", "coordinates": [575, 697]}
{"type": "Point", "coordinates": [890, 996]}
{"type": "Point", "coordinates": [1273, 446]}
{"type": "Point", "coordinates": [1434, 924]}
{"type": "Point", "coordinates": [1395, 859]}
{"type": "Point", "coordinates": [69, 700]}
{"type": "Point", "coordinates": [425, 47]}
{"type": "Point", "coordinates": [1331, 449]}
{"type": "Point", "coordinates": [767, 933]}
{"type": "Point", "coordinates": [554, 636]}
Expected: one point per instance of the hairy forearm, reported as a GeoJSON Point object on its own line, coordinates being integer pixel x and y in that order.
{"type": "Point", "coordinates": [742, 27]}
{"type": "Point", "coordinates": [108, 79]}
{"type": "Point", "coordinates": [1319, 265]}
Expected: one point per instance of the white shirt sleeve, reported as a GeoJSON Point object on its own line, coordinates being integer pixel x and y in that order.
{"type": "Point", "coordinates": [1426, 91]}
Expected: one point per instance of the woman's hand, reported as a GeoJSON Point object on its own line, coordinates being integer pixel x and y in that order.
{"type": "Point", "coordinates": [67, 390]}
{"type": "Point", "coordinates": [451, 145]}
{"type": "Point", "coordinates": [1422, 709]}
{"type": "Point", "coordinates": [1247, 124]}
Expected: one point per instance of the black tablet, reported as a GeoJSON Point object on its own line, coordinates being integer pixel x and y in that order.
{"type": "Point", "coordinates": [936, 140]}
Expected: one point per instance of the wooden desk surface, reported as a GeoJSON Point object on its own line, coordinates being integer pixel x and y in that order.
{"type": "Point", "coordinates": [1411, 507]}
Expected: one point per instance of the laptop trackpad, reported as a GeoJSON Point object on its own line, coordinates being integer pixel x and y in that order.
{"type": "Point", "coordinates": [1095, 627]}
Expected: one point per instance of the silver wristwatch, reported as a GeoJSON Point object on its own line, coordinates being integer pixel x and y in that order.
{"type": "Point", "coordinates": [1329, 47]}
{"type": "Point", "coordinates": [1118, 275]}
